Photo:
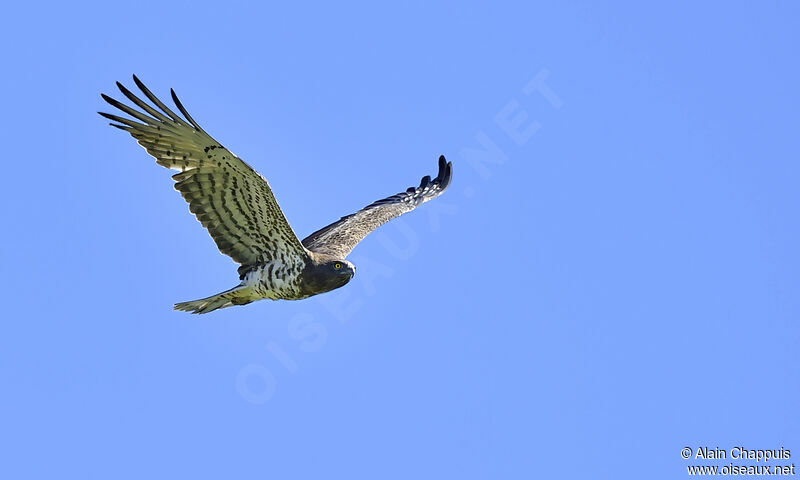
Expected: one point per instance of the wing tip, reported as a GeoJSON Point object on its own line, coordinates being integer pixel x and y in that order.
{"type": "Point", "coordinates": [445, 172]}
{"type": "Point", "coordinates": [183, 110]}
{"type": "Point", "coordinates": [424, 182]}
{"type": "Point", "coordinates": [138, 82]}
{"type": "Point", "coordinates": [124, 90]}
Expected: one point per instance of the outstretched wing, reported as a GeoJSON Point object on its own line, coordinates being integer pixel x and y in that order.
{"type": "Point", "coordinates": [230, 199]}
{"type": "Point", "coordinates": [340, 237]}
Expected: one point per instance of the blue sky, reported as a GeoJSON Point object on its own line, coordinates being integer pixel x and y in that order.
{"type": "Point", "coordinates": [615, 280]}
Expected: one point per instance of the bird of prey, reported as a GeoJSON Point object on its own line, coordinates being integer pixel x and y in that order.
{"type": "Point", "coordinates": [235, 203]}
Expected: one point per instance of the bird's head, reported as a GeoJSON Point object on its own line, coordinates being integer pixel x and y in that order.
{"type": "Point", "coordinates": [341, 268]}
{"type": "Point", "coordinates": [326, 274]}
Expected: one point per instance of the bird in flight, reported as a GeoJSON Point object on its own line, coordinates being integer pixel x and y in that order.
{"type": "Point", "coordinates": [235, 203]}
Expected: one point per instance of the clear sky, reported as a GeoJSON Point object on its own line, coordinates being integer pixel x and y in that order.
{"type": "Point", "coordinates": [612, 276]}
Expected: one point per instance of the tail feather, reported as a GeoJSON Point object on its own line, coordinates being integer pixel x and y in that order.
{"type": "Point", "coordinates": [239, 295]}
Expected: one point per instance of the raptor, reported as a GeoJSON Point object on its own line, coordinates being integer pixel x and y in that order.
{"type": "Point", "coordinates": [237, 207]}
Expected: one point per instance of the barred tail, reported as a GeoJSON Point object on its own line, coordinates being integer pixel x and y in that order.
{"type": "Point", "coordinates": [239, 295]}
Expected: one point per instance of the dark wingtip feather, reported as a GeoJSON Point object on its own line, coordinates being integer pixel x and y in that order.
{"type": "Point", "coordinates": [124, 90]}
{"type": "Point", "coordinates": [183, 110]}
{"type": "Point", "coordinates": [141, 86]}
{"type": "Point", "coordinates": [116, 103]}
{"type": "Point", "coordinates": [442, 167]}
{"type": "Point", "coordinates": [425, 181]}
{"type": "Point", "coordinates": [176, 100]}
{"type": "Point", "coordinates": [158, 103]}
{"type": "Point", "coordinates": [445, 173]}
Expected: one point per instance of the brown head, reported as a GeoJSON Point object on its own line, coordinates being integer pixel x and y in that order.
{"type": "Point", "coordinates": [324, 273]}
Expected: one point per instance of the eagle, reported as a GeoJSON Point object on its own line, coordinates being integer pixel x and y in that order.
{"type": "Point", "coordinates": [237, 207]}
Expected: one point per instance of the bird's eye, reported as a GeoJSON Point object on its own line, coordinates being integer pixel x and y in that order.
{"type": "Point", "coordinates": [337, 266]}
